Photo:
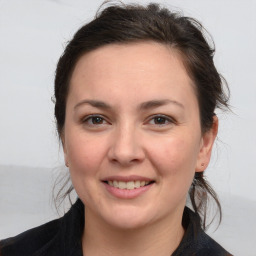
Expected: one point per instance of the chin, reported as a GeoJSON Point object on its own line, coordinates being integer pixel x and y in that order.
{"type": "Point", "coordinates": [128, 224]}
{"type": "Point", "coordinates": [128, 219]}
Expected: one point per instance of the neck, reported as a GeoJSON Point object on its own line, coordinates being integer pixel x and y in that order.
{"type": "Point", "coordinates": [161, 238]}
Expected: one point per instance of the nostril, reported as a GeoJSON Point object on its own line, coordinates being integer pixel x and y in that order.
{"type": "Point", "coordinates": [125, 152]}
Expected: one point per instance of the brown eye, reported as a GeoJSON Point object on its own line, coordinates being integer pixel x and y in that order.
{"type": "Point", "coordinates": [97, 120]}
{"type": "Point", "coordinates": [160, 120]}
{"type": "Point", "coordinates": [94, 120]}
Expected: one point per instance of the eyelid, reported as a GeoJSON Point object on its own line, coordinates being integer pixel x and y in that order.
{"type": "Point", "coordinates": [88, 117]}
{"type": "Point", "coordinates": [171, 120]}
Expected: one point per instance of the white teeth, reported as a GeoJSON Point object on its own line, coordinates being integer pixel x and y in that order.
{"type": "Point", "coordinates": [137, 184]}
{"type": "Point", "coordinates": [128, 185]}
{"type": "Point", "coordinates": [115, 183]}
{"type": "Point", "coordinates": [122, 184]}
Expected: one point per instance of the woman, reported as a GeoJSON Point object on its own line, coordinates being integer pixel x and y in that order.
{"type": "Point", "coordinates": [136, 90]}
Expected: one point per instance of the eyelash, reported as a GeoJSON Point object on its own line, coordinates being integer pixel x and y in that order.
{"type": "Point", "coordinates": [164, 118]}
{"type": "Point", "coordinates": [90, 117]}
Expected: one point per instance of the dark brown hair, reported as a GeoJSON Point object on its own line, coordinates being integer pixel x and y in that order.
{"type": "Point", "coordinates": [122, 24]}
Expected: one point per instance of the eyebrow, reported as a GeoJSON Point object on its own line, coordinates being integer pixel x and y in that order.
{"type": "Point", "coordinates": [94, 103]}
{"type": "Point", "coordinates": [158, 103]}
{"type": "Point", "coordinates": [143, 106]}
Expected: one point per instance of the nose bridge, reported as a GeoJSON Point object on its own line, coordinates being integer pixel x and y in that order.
{"type": "Point", "coordinates": [125, 147]}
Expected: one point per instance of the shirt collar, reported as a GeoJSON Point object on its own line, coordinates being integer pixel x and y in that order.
{"type": "Point", "coordinates": [72, 226]}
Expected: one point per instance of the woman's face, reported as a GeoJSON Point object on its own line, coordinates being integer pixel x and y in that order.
{"type": "Point", "coordinates": [132, 136]}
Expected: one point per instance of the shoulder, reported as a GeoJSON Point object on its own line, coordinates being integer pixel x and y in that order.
{"type": "Point", "coordinates": [207, 246]}
{"type": "Point", "coordinates": [195, 241]}
{"type": "Point", "coordinates": [57, 237]}
{"type": "Point", "coordinates": [31, 241]}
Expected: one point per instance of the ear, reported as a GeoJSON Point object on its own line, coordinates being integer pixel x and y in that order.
{"type": "Point", "coordinates": [206, 146]}
{"type": "Point", "coordinates": [62, 138]}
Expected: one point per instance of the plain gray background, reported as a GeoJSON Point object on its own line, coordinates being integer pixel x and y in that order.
{"type": "Point", "coordinates": [33, 35]}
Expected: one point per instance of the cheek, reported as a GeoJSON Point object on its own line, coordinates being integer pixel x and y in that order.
{"type": "Point", "coordinates": [85, 157]}
{"type": "Point", "coordinates": [174, 157]}
{"type": "Point", "coordinates": [174, 162]}
{"type": "Point", "coordinates": [84, 154]}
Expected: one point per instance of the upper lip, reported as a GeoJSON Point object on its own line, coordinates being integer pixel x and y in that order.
{"type": "Point", "coordinates": [127, 178]}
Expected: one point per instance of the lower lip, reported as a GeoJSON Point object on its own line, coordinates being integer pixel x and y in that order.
{"type": "Point", "coordinates": [127, 193]}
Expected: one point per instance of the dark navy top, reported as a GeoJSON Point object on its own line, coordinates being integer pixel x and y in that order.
{"type": "Point", "coordinates": [62, 237]}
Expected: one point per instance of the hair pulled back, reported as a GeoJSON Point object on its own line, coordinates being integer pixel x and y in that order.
{"type": "Point", "coordinates": [123, 24]}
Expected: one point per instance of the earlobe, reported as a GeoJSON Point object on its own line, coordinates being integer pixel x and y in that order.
{"type": "Point", "coordinates": [206, 146]}
{"type": "Point", "coordinates": [64, 150]}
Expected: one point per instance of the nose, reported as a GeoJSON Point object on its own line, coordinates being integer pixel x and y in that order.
{"type": "Point", "coordinates": [126, 148]}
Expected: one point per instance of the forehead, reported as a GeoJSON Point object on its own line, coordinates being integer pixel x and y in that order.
{"type": "Point", "coordinates": [134, 69]}
{"type": "Point", "coordinates": [137, 57]}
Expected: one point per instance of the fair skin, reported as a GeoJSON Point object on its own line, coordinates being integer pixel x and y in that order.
{"type": "Point", "coordinates": [132, 121]}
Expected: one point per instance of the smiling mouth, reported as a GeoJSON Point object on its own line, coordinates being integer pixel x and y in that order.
{"type": "Point", "coordinates": [128, 185]}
